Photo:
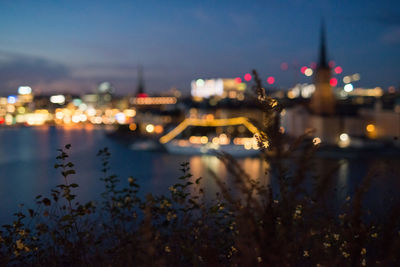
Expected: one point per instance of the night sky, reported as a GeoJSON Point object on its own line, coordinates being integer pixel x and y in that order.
{"type": "Point", "coordinates": [71, 46]}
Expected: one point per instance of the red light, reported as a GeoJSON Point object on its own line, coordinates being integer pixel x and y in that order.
{"type": "Point", "coordinates": [332, 64]}
{"type": "Point", "coordinates": [284, 66]}
{"type": "Point", "coordinates": [303, 69]}
{"type": "Point", "coordinates": [338, 70]}
{"type": "Point", "coordinates": [247, 77]}
{"type": "Point", "coordinates": [142, 95]}
{"type": "Point", "coordinates": [270, 79]}
{"type": "Point", "coordinates": [333, 81]}
{"type": "Point", "coordinates": [238, 80]}
{"type": "Point", "coordinates": [313, 65]}
{"type": "Point", "coordinates": [1, 120]}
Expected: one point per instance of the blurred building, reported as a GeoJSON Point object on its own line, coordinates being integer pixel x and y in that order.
{"type": "Point", "coordinates": [360, 114]}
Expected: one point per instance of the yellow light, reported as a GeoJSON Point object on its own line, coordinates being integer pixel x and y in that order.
{"type": "Point", "coordinates": [215, 140]}
{"type": "Point", "coordinates": [209, 117]}
{"type": "Point", "coordinates": [247, 145]}
{"type": "Point", "coordinates": [10, 108]}
{"type": "Point", "coordinates": [158, 129]}
{"type": "Point", "coordinates": [149, 128]}
{"type": "Point", "coordinates": [21, 110]}
{"type": "Point", "coordinates": [242, 86]}
{"type": "Point", "coordinates": [316, 141]}
{"type": "Point", "coordinates": [130, 112]}
{"type": "Point", "coordinates": [132, 126]}
{"type": "Point", "coordinates": [291, 94]}
{"type": "Point", "coordinates": [213, 123]}
{"type": "Point", "coordinates": [204, 139]}
{"type": "Point", "coordinates": [9, 119]}
{"type": "Point", "coordinates": [370, 128]}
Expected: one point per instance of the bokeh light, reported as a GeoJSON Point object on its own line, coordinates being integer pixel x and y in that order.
{"type": "Point", "coordinates": [271, 79]}
{"type": "Point", "coordinates": [333, 81]}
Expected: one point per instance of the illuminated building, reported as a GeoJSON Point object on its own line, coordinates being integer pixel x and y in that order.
{"type": "Point", "coordinates": [323, 99]}
{"type": "Point", "coordinates": [104, 94]}
{"type": "Point", "coordinates": [218, 88]}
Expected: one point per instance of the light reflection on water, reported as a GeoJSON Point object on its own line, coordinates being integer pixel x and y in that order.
{"type": "Point", "coordinates": [27, 157]}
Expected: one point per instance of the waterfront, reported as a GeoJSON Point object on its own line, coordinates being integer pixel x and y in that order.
{"type": "Point", "coordinates": [27, 158]}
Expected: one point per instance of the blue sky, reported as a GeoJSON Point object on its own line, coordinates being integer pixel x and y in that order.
{"type": "Point", "coordinates": [73, 45]}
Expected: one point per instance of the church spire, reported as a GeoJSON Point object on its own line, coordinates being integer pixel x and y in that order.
{"type": "Point", "coordinates": [322, 49]}
{"type": "Point", "coordinates": [140, 86]}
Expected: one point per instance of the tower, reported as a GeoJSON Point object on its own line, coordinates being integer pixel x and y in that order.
{"type": "Point", "coordinates": [140, 87]}
{"type": "Point", "coordinates": [323, 99]}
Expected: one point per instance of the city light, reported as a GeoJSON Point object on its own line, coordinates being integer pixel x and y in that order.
{"type": "Point", "coordinates": [338, 70]}
{"type": "Point", "coordinates": [200, 82]}
{"type": "Point", "coordinates": [333, 81]}
{"type": "Point", "coordinates": [270, 79]}
{"type": "Point", "coordinates": [346, 79]}
{"type": "Point", "coordinates": [24, 90]}
{"type": "Point", "coordinates": [149, 128]}
{"type": "Point", "coordinates": [370, 128]}
{"type": "Point", "coordinates": [308, 72]}
{"type": "Point", "coordinates": [11, 99]}
{"type": "Point", "coordinates": [303, 69]}
{"type": "Point", "coordinates": [355, 77]}
{"type": "Point", "coordinates": [344, 137]}
{"type": "Point", "coordinates": [247, 77]}
{"type": "Point", "coordinates": [238, 80]}
{"type": "Point", "coordinates": [57, 99]}
{"type": "Point", "coordinates": [316, 141]}
{"type": "Point", "coordinates": [348, 87]}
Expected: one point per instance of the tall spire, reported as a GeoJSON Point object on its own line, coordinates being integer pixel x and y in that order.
{"type": "Point", "coordinates": [322, 49]}
{"type": "Point", "coordinates": [140, 86]}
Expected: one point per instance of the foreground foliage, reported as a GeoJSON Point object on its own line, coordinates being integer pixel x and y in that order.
{"type": "Point", "coordinates": [246, 224]}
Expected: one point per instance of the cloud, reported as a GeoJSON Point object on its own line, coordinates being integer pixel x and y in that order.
{"type": "Point", "coordinates": [18, 69]}
{"type": "Point", "coordinates": [48, 76]}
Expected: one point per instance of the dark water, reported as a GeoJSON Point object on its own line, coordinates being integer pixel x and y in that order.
{"type": "Point", "coordinates": [27, 157]}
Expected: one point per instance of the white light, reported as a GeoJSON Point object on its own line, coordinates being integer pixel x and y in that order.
{"type": "Point", "coordinates": [206, 88]}
{"type": "Point", "coordinates": [11, 99]}
{"type": "Point", "coordinates": [344, 137]}
{"type": "Point", "coordinates": [57, 99]}
{"type": "Point", "coordinates": [150, 128]}
{"type": "Point", "coordinates": [120, 117]}
{"type": "Point", "coordinates": [308, 72]}
{"type": "Point", "coordinates": [24, 90]}
{"type": "Point", "coordinates": [348, 87]}
{"type": "Point", "coordinates": [200, 82]}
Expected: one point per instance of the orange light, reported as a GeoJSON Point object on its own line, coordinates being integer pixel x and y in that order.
{"type": "Point", "coordinates": [158, 129]}
{"type": "Point", "coordinates": [370, 128]}
{"type": "Point", "coordinates": [132, 126]}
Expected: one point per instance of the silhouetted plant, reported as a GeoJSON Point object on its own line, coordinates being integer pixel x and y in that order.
{"type": "Point", "coordinates": [284, 223]}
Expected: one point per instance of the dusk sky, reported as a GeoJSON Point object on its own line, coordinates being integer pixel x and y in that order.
{"type": "Point", "coordinates": [71, 46]}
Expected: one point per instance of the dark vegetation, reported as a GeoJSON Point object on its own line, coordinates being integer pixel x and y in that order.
{"type": "Point", "coordinates": [289, 225]}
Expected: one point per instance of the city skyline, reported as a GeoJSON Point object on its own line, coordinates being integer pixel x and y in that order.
{"type": "Point", "coordinates": [71, 47]}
